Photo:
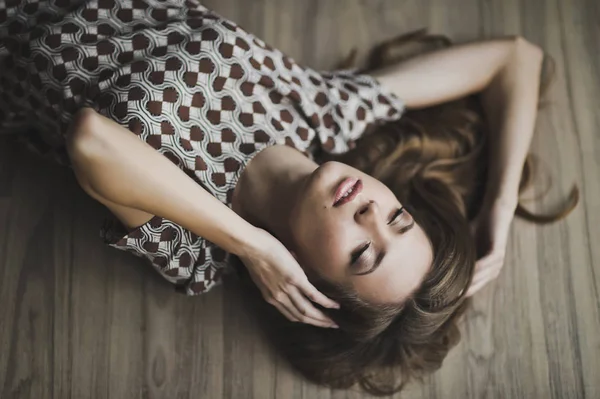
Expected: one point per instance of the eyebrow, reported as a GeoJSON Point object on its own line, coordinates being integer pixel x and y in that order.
{"type": "Point", "coordinates": [383, 253]}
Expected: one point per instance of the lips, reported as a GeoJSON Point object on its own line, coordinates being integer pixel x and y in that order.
{"type": "Point", "coordinates": [347, 191]}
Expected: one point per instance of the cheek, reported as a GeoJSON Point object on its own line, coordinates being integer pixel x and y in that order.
{"type": "Point", "coordinates": [321, 244]}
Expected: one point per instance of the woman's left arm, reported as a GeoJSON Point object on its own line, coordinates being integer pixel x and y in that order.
{"type": "Point", "coordinates": [507, 74]}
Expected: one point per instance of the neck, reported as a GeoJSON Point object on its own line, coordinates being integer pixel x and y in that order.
{"type": "Point", "coordinates": [269, 188]}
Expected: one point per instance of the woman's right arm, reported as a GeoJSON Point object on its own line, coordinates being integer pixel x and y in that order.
{"type": "Point", "coordinates": [118, 167]}
{"type": "Point", "coordinates": [131, 173]}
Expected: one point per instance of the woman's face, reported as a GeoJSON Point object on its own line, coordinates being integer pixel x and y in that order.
{"type": "Point", "coordinates": [365, 240]}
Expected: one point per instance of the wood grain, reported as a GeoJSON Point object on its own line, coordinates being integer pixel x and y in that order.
{"type": "Point", "coordinates": [80, 320]}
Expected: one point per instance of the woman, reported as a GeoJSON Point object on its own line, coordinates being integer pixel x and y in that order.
{"type": "Point", "coordinates": [231, 130]}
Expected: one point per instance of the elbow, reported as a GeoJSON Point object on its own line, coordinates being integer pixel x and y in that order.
{"type": "Point", "coordinates": [523, 49]}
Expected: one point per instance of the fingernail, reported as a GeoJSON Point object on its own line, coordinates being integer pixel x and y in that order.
{"type": "Point", "coordinates": [335, 326]}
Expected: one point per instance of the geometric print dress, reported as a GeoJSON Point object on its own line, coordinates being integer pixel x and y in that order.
{"type": "Point", "coordinates": [195, 86]}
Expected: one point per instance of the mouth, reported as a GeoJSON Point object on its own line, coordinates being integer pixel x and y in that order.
{"type": "Point", "coordinates": [347, 191]}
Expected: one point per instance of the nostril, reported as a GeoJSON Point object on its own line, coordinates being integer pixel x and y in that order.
{"type": "Point", "coordinates": [364, 209]}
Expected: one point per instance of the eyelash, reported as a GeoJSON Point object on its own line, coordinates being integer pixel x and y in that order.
{"type": "Point", "coordinates": [396, 215]}
{"type": "Point", "coordinates": [356, 255]}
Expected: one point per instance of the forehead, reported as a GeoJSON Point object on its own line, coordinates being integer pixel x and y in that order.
{"type": "Point", "coordinates": [409, 258]}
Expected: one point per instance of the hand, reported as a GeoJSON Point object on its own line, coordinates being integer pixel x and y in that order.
{"type": "Point", "coordinates": [490, 229]}
{"type": "Point", "coordinates": [283, 283]}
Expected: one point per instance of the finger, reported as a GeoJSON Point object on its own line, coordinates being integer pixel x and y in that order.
{"type": "Point", "coordinates": [285, 312]}
{"type": "Point", "coordinates": [486, 270]}
{"type": "Point", "coordinates": [488, 261]}
{"type": "Point", "coordinates": [287, 303]}
{"type": "Point", "coordinates": [490, 272]}
{"type": "Point", "coordinates": [474, 289]}
{"type": "Point", "coordinates": [477, 287]}
{"type": "Point", "coordinates": [314, 295]}
{"type": "Point", "coordinates": [306, 308]}
{"type": "Point", "coordinates": [485, 261]}
{"type": "Point", "coordinates": [482, 267]}
{"type": "Point", "coordinates": [482, 279]}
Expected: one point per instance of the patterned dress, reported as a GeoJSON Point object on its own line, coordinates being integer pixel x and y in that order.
{"type": "Point", "coordinates": [198, 88]}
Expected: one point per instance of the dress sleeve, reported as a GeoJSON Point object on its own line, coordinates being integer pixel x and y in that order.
{"type": "Point", "coordinates": [348, 103]}
{"type": "Point", "coordinates": [191, 263]}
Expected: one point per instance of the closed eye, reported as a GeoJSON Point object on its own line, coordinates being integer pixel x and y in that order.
{"type": "Point", "coordinates": [394, 220]}
{"type": "Point", "coordinates": [357, 254]}
{"type": "Point", "coordinates": [396, 216]}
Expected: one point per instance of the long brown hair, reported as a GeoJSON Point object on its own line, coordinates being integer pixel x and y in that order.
{"type": "Point", "coordinates": [434, 160]}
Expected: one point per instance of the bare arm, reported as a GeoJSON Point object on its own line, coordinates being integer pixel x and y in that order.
{"type": "Point", "coordinates": [506, 72]}
{"type": "Point", "coordinates": [134, 175]}
{"type": "Point", "coordinates": [120, 170]}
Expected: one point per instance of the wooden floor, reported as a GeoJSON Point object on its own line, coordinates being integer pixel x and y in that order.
{"type": "Point", "coordinates": [80, 320]}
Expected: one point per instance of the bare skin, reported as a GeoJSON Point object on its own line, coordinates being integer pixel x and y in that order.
{"type": "Point", "coordinates": [149, 184]}
{"type": "Point", "coordinates": [507, 74]}
{"type": "Point", "coordinates": [505, 71]}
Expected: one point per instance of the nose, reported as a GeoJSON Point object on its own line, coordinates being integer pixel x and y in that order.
{"type": "Point", "coordinates": [367, 213]}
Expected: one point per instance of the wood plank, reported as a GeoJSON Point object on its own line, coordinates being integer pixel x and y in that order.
{"type": "Point", "coordinates": [468, 371]}
{"type": "Point", "coordinates": [580, 32]}
{"type": "Point", "coordinates": [81, 320]}
{"type": "Point", "coordinates": [28, 284]}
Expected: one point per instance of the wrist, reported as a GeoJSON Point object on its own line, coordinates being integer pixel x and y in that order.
{"type": "Point", "coordinates": [501, 200]}
{"type": "Point", "coordinates": [505, 204]}
{"type": "Point", "coordinates": [250, 243]}
{"type": "Point", "coordinates": [502, 190]}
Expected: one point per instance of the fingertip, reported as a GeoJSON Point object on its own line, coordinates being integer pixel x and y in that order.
{"type": "Point", "coordinates": [332, 304]}
{"type": "Point", "coordinates": [326, 302]}
{"type": "Point", "coordinates": [322, 300]}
